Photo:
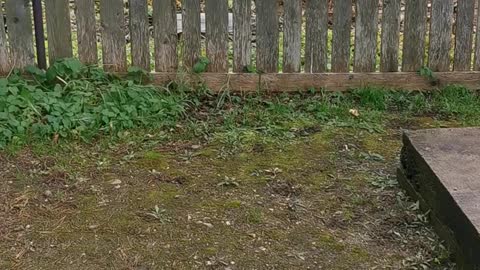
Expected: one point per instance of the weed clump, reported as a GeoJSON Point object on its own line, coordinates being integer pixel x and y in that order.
{"type": "Point", "coordinates": [72, 100]}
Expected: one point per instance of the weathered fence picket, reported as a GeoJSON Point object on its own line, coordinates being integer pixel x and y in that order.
{"type": "Point", "coordinates": [267, 36]}
{"type": "Point", "coordinates": [20, 35]}
{"type": "Point", "coordinates": [217, 34]}
{"type": "Point", "coordinates": [440, 35]}
{"type": "Point", "coordinates": [86, 31]}
{"type": "Point", "coordinates": [140, 33]}
{"type": "Point", "coordinates": [476, 64]}
{"type": "Point", "coordinates": [390, 36]}
{"type": "Point", "coordinates": [316, 44]}
{"type": "Point", "coordinates": [366, 28]}
{"type": "Point", "coordinates": [113, 35]}
{"type": "Point", "coordinates": [191, 32]}
{"type": "Point", "coordinates": [316, 36]}
{"type": "Point", "coordinates": [414, 34]}
{"type": "Point", "coordinates": [165, 35]}
{"type": "Point", "coordinates": [342, 24]}
{"type": "Point", "coordinates": [58, 29]}
{"type": "Point", "coordinates": [292, 39]}
{"type": "Point", "coordinates": [464, 35]}
{"type": "Point", "coordinates": [4, 56]}
{"type": "Point", "coordinates": [242, 34]}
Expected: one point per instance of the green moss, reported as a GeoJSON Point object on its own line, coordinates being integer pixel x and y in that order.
{"type": "Point", "coordinates": [233, 204]}
{"type": "Point", "coordinates": [330, 242]}
{"type": "Point", "coordinates": [210, 251]}
{"type": "Point", "coordinates": [374, 143]}
{"type": "Point", "coordinates": [359, 254]}
{"type": "Point", "coordinates": [164, 195]}
{"type": "Point", "coordinates": [152, 156]}
{"type": "Point", "coordinates": [154, 161]}
{"type": "Point", "coordinates": [254, 216]}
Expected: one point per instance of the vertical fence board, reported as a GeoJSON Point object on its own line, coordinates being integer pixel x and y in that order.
{"type": "Point", "coordinates": [365, 35]}
{"type": "Point", "coordinates": [58, 30]}
{"type": "Point", "coordinates": [476, 65]}
{"type": "Point", "coordinates": [316, 20]}
{"type": "Point", "coordinates": [217, 34]}
{"type": "Point", "coordinates": [20, 34]}
{"type": "Point", "coordinates": [414, 35]}
{"type": "Point", "coordinates": [342, 23]}
{"type": "Point", "coordinates": [267, 36]}
{"type": "Point", "coordinates": [440, 35]}
{"type": "Point", "coordinates": [4, 57]}
{"type": "Point", "coordinates": [191, 32]}
{"type": "Point", "coordinates": [140, 34]}
{"type": "Point", "coordinates": [165, 35]}
{"type": "Point", "coordinates": [113, 35]}
{"type": "Point", "coordinates": [292, 40]}
{"type": "Point", "coordinates": [464, 35]}
{"type": "Point", "coordinates": [390, 35]}
{"type": "Point", "coordinates": [86, 31]}
{"type": "Point", "coordinates": [242, 34]}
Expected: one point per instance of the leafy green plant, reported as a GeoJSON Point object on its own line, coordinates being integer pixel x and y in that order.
{"type": "Point", "coordinates": [427, 73]}
{"type": "Point", "coordinates": [201, 65]}
{"type": "Point", "coordinates": [72, 100]}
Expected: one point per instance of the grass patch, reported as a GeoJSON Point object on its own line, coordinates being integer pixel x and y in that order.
{"type": "Point", "coordinates": [72, 101]}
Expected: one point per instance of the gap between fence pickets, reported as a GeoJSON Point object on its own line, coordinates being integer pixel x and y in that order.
{"type": "Point", "coordinates": [288, 82]}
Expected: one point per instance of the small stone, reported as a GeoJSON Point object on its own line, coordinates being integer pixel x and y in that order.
{"type": "Point", "coordinates": [48, 193]}
{"type": "Point", "coordinates": [93, 227]}
{"type": "Point", "coordinates": [116, 182]}
{"type": "Point", "coordinates": [209, 225]}
{"type": "Point", "coordinates": [196, 146]}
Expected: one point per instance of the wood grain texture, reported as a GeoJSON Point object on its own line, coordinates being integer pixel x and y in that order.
{"type": "Point", "coordinates": [242, 34]}
{"type": "Point", "coordinates": [390, 36]}
{"type": "Point", "coordinates": [342, 24]}
{"type": "Point", "coordinates": [20, 33]}
{"type": "Point", "coordinates": [165, 35]}
{"type": "Point", "coordinates": [287, 82]}
{"type": "Point", "coordinates": [4, 55]}
{"type": "Point", "coordinates": [476, 64]}
{"type": "Point", "coordinates": [414, 35]}
{"type": "Point", "coordinates": [216, 16]}
{"type": "Point", "coordinates": [267, 36]}
{"type": "Point", "coordinates": [365, 35]}
{"type": "Point", "coordinates": [440, 35]}
{"type": "Point", "coordinates": [59, 32]}
{"type": "Point", "coordinates": [316, 17]}
{"type": "Point", "coordinates": [140, 34]}
{"type": "Point", "coordinates": [113, 35]}
{"type": "Point", "coordinates": [292, 39]}
{"type": "Point", "coordinates": [86, 31]}
{"type": "Point", "coordinates": [464, 35]}
{"type": "Point", "coordinates": [191, 32]}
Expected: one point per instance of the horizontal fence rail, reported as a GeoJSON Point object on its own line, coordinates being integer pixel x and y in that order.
{"type": "Point", "coordinates": [342, 43]}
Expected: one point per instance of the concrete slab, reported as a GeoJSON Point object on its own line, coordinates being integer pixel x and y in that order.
{"type": "Point", "coordinates": [441, 169]}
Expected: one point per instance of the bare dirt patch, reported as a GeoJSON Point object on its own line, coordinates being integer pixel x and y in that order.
{"type": "Point", "coordinates": [326, 200]}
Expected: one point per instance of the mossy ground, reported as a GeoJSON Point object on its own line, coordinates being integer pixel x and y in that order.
{"type": "Point", "coordinates": [327, 199]}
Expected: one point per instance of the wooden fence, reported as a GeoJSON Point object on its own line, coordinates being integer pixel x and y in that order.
{"type": "Point", "coordinates": [292, 44]}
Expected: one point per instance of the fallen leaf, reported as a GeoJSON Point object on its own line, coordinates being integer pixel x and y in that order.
{"type": "Point", "coordinates": [354, 112]}
{"type": "Point", "coordinates": [116, 182]}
